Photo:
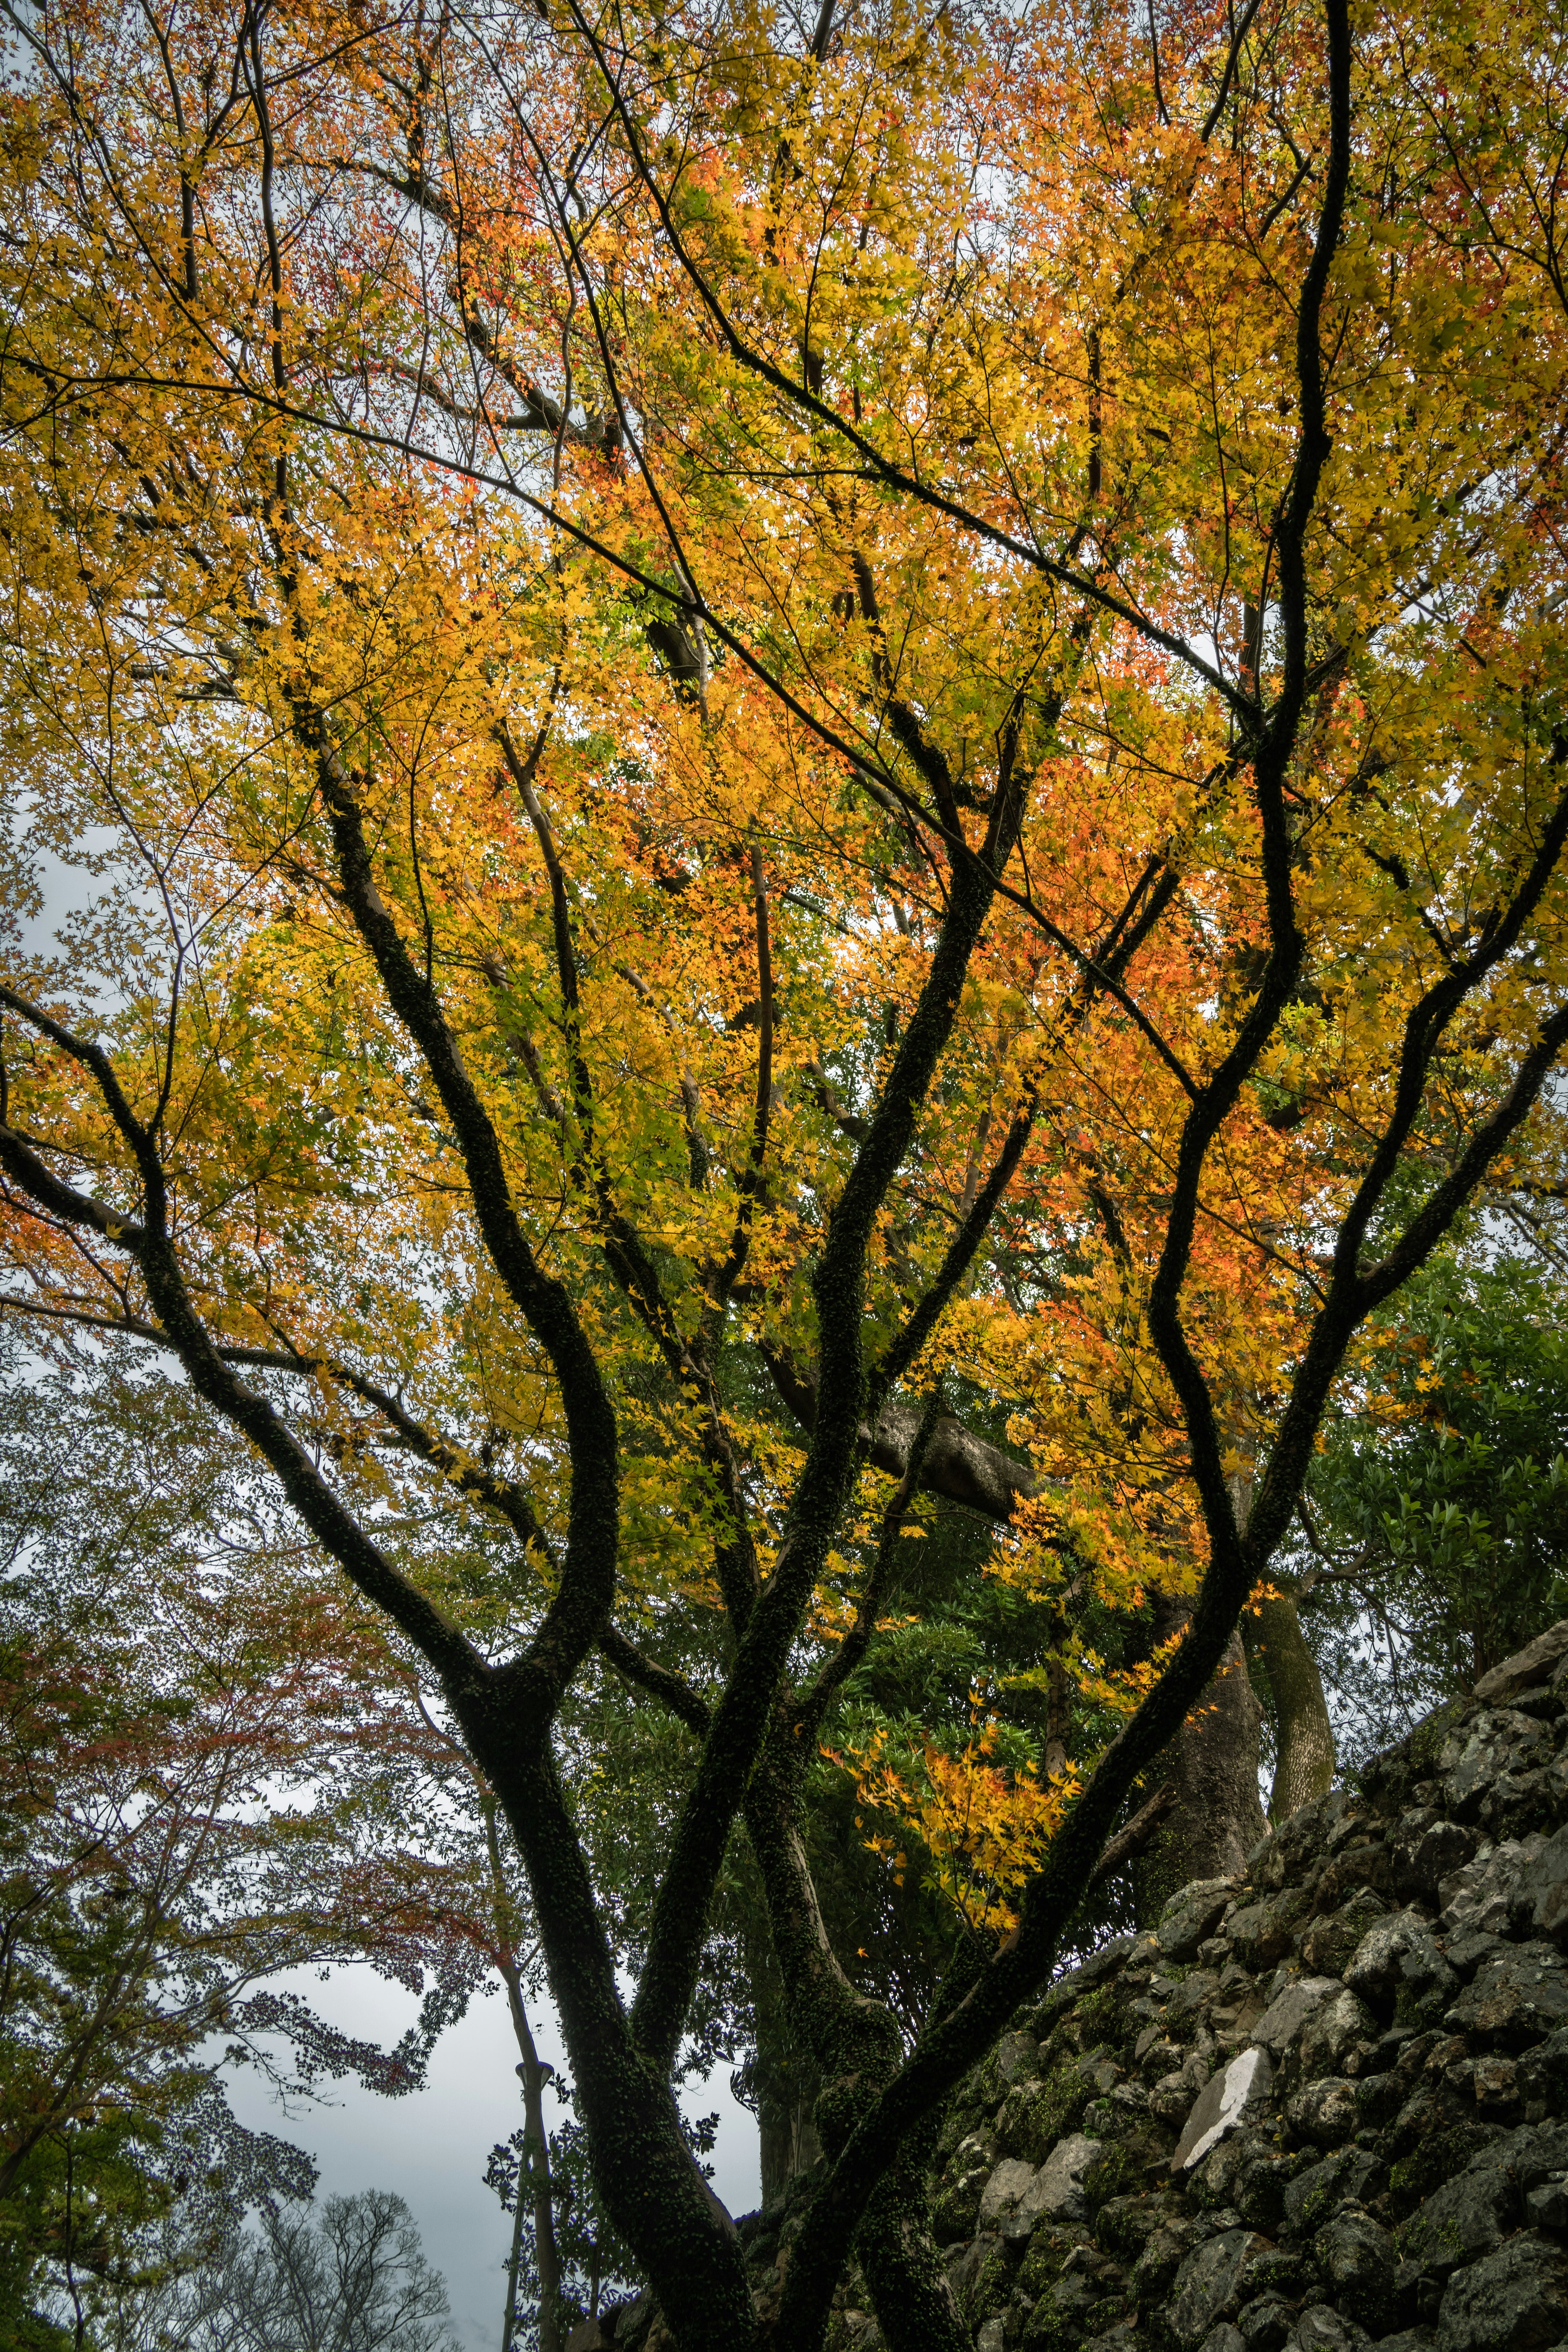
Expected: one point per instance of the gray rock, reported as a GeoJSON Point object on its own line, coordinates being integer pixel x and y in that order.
{"type": "Point", "coordinates": [1340, 2180]}
{"type": "Point", "coordinates": [1286, 2015]}
{"type": "Point", "coordinates": [1515, 1999]}
{"type": "Point", "coordinates": [1543, 2074]}
{"type": "Point", "coordinates": [1356, 2257]}
{"type": "Point", "coordinates": [1190, 2000]}
{"type": "Point", "coordinates": [1363, 1870]}
{"type": "Point", "coordinates": [1003, 2190]}
{"type": "Point", "coordinates": [1222, 2106]}
{"type": "Point", "coordinates": [1484, 1895]}
{"type": "Point", "coordinates": [1497, 2095]}
{"type": "Point", "coordinates": [1261, 1934]}
{"type": "Point", "coordinates": [965, 2264]}
{"type": "Point", "coordinates": [1533, 2153]}
{"type": "Point", "coordinates": [1264, 2324]}
{"type": "Point", "coordinates": [1154, 2271]}
{"type": "Point", "coordinates": [1467, 2217]}
{"type": "Point", "coordinates": [1248, 1941]}
{"type": "Point", "coordinates": [1330, 2032]}
{"type": "Point", "coordinates": [1547, 2207]}
{"type": "Point", "coordinates": [1466, 1951]}
{"type": "Point", "coordinates": [1192, 1915]}
{"type": "Point", "coordinates": [1539, 1886]}
{"type": "Point", "coordinates": [1321, 2328]}
{"type": "Point", "coordinates": [1334, 1937]}
{"type": "Point", "coordinates": [1225, 2339]}
{"type": "Point", "coordinates": [1513, 2301]}
{"type": "Point", "coordinates": [1017, 2194]}
{"type": "Point", "coordinates": [1426, 1848]}
{"type": "Point", "coordinates": [1480, 1749]}
{"type": "Point", "coordinates": [1397, 1951]}
{"type": "Point", "coordinates": [1527, 1669]}
{"type": "Point", "coordinates": [992, 2337]}
{"type": "Point", "coordinates": [1057, 2192]}
{"type": "Point", "coordinates": [1061, 2311]}
{"type": "Point", "coordinates": [1209, 2285]}
{"type": "Point", "coordinates": [1325, 2112]}
{"type": "Point", "coordinates": [1017, 2056]}
{"type": "Point", "coordinates": [1110, 1959]}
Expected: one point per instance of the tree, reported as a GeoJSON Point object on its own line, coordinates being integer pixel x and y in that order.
{"type": "Point", "coordinates": [1438, 1509]}
{"type": "Point", "coordinates": [880, 699]}
{"type": "Point", "coordinates": [168, 1742]}
{"type": "Point", "coordinates": [353, 2279]}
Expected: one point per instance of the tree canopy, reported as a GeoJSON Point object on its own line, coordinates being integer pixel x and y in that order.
{"type": "Point", "coordinates": [801, 768]}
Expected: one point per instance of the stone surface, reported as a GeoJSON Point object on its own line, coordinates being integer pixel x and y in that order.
{"type": "Point", "coordinates": [1324, 2112]}
{"type": "Point", "coordinates": [1209, 2285]}
{"type": "Point", "coordinates": [1287, 2014]}
{"type": "Point", "coordinates": [1357, 2259]}
{"type": "Point", "coordinates": [1467, 2217]}
{"type": "Point", "coordinates": [1504, 1878]}
{"type": "Point", "coordinates": [1397, 1951]}
{"type": "Point", "coordinates": [1333, 2030]}
{"type": "Point", "coordinates": [1513, 2301]}
{"type": "Point", "coordinates": [1397, 2170]}
{"type": "Point", "coordinates": [1540, 1889]}
{"type": "Point", "coordinates": [1264, 2323]}
{"type": "Point", "coordinates": [1017, 2056]}
{"type": "Point", "coordinates": [1222, 2106]}
{"type": "Point", "coordinates": [1005, 2189]}
{"type": "Point", "coordinates": [1192, 1914]}
{"type": "Point", "coordinates": [1527, 1669]}
{"type": "Point", "coordinates": [1321, 2328]}
{"type": "Point", "coordinates": [1332, 1941]}
{"type": "Point", "coordinates": [1058, 2192]}
{"type": "Point", "coordinates": [1515, 1998]}
{"type": "Point", "coordinates": [1320, 2188]}
{"type": "Point", "coordinates": [1485, 1748]}
{"type": "Point", "coordinates": [1018, 2195]}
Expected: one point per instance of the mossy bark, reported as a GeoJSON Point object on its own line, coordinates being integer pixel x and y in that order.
{"type": "Point", "coordinates": [1303, 1733]}
{"type": "Point", "coordinates": [855, 2044]}
{"type": "Point", "coordinates": [1212, 1765]}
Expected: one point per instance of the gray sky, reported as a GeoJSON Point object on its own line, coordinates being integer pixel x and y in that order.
{"type": "Point", "coordinates": [431, 2146]}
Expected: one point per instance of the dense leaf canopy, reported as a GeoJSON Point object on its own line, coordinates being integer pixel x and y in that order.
{"type": "Point", "coordinates": [800, 766]}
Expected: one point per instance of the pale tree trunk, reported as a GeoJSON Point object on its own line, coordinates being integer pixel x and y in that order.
{"type": "Point", "coordinates": [1216, 1815]}
{"type": "Point", "coordinates": [1303, 1734]}
{"type": "Point", "coordinates": [533, 2171]}
{"type": "Point", "coordinates": [791, 2142]}
{"type": "Point", "coordinates": [787, 2078]}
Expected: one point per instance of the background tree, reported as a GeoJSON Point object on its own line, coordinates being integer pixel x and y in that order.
{"type": "Point", "coordinates": [169, 1738]}
{"type": "Point", "coordinates": [1436, 1516]}
{"type": "Point", "coordinates": [352, 2278]}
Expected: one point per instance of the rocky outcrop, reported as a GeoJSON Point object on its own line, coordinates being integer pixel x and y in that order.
{"type": "Point", "coordinates": [1322, 2107]}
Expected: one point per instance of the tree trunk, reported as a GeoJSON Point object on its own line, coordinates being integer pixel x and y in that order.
{"type": "Point", "coordinates": [857, 2044]}
{"type": "Point", "coordinates": [1303, 1734]}
{"type": "Point", "coordinates": [786, 2124]}
{"type": "Point", "coordinates": [1217, 1814]}
{"type": "Point", "coordinates": [787, 2078]}
{"type": "Point", "coordinates": [533, 2171]}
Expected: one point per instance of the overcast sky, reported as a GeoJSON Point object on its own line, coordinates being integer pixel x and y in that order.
{"type": "Point", "coordinates": [431, 2146]}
